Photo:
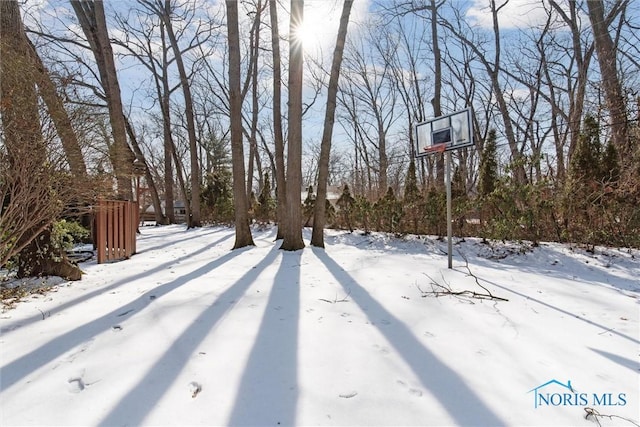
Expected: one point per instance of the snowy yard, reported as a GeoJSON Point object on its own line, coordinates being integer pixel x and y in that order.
{"type": "Point", "coordinates": [188, 332]}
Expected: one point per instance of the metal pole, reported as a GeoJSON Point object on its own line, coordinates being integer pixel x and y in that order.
{"type": "Point", "coordinates": [449, 230]}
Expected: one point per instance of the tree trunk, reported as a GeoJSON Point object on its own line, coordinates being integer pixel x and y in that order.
{"type": "Point", "coordinates": [383, 159]}
{"type": "Point", "coordinates": [194, 219]}
{"type": "Point", "coordinates": [293, 214]}
{"type": "Point", "coordinates": [281, 194]}
{"type": "Point", "coordinates": [141, 44]}
{"type": "Point", "coordinates": [181, 181]}
{"type": "Point", "coordinates": [59, 116]}
{"type": "Point", "coordinates": [319, 218]}
{"type": "Point", "coordinates": [437, 82]}
{"type": "Point", "coordinates": [614, 97]}
{"type": "Point", "coordinates": [253, 144]}
{"type": "Point", "coordinates": [40, 258]}
{"type": "Point", "coordinates": [155, 198]}
{"type": "Point", "coordinates": [582, 61]}
{"type": "Point", "coordinates": [90, 14]}
{"type": "Point", "coordinates": [168, 139]}
{"type": "Point", "coordinates": [517, 158]}
{"type": "Point", "coordinates": [27, 152]}
{"type": "Point", "coordinates": [240, 202]}
{"type": "Point", "coordinates": [168, 164]}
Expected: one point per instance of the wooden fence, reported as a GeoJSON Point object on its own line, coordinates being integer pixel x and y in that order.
{"type": "Point", "coordinates": [116, 224]}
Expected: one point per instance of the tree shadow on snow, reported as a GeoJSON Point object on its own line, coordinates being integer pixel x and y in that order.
{"type": "Point", "coordinates": [623, 361]}
{"type": "Point", "coordinates": [563, 311]}
{"type": "Point", "coordinates": [140, 400]}
{"type": "Point", "coordinates": [188, 233]}
{"type": "Point", "coordinates": [123, 281]}
{"type": "Point", "coordinates": [268, 392]}
{"type": "Point", "coordinates": [20, 368]}
{"type": "Point", "coordinates": [444, 383]}
{"type": "Point", "coordinates": [603, 270]}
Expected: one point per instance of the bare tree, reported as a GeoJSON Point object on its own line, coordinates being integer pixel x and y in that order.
{"type": "Point", "coordinates": [581, 53]}
{"type": "Point", "coordinates": [164, 9]}
{"type": "Point", "coordinates": [281, 194]}
{"type": "Point", "coordinates": [142, 36]}
{"type": "Point", "coordinates": [356, 129]}
{"type": "Point", "coordinates": [424, 10]}
{"type": "Point", "coordinates": [139, 41]}
{"type": "Point", "coordinates": [90, 14]}
{"type": "Point", "coordinates": [55, 106]}
{"type": "Point", "coordinates": [240, 203]}
{"type": "Point", "coordinates": [31, 190]}
{"type": "Point", "coordinates": [254, 51]}
{"type": "Point", "coordinates": [607, 59]}
{"type": "Point", "coordinates": [293, 214]}
{"type": "Point", "coordinates": [164, 92]}
{"type": "Point", "coordinates": [492, 67]}
{"type": "Point", "coordinates": [319, 218]}
{"type": "Point", "coordinates": [144, 169]}
{"type": "Point", "coordinates": [369, 87]}
{"type": "Point", "coordinates": [407, 52]}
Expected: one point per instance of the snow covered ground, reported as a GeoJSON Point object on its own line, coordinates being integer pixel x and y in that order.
{"type": "Point", "coordinates": [188, 332]}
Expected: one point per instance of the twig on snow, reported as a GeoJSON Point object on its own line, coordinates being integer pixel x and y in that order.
{"type": "Point", "coordinates": [469, 273]}
{"type": "Point", "coordinates": [438, 289]}
{"type": "Point", "coordinates": [336, 300]}
{"type": "Point", "coordinates": [594, 415]}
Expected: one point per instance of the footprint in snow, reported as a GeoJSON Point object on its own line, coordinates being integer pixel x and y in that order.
{"type": "Point", "coordinates": [381, 349]}
{"type": "Point", "coordinates": [412, 391]}
{"type": "Point", "coordinates": [415, 392]}
{"type": "Point", "coordinates": [194, 388]}
{"type": "Point", "coordinates": [76, 385]}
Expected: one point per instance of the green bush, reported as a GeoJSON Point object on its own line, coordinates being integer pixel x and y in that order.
{"type": "Point", "coordinates": [265, 211]}
{"type": "Point", "coordinates": [217, 198]}
{"type": "Point", "coordinates": [65, 234]}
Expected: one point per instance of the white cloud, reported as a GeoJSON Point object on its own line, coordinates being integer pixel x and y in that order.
{"type": "Point", "coordinates": [515, 14]}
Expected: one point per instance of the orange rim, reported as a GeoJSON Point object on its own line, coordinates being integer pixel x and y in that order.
{"type": "Point", "coordinates": [436, 148]}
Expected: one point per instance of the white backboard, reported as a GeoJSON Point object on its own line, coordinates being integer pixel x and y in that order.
{"type": "Point", "coordinates": [454, 130]}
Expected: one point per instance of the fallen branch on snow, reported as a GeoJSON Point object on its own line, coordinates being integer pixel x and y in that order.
{"type": "Point", "coordinates": [469, 273]}
{"type": "Point", "coordinates": [594, 415]}
{"type": "Point", "coordinates": [336, 298]}
{"type": "Point", "coordinates": [438, 289]}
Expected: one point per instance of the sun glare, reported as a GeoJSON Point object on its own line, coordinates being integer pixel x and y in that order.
{"type": "Point", "coordinates": [307, 34]}
{"type": "Point", "coordinates": [320, 25]}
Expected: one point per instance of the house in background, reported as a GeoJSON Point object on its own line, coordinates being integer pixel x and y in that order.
{"type": "Point", "coordinates": [179, 210]}
{"type": "Point", "coordinates": [333, 193]}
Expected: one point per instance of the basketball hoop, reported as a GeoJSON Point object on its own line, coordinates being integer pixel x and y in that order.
{"type": "Point", "coordinates": [445, 134]}
{"type": "Point", "coordinates": [435, 148]}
